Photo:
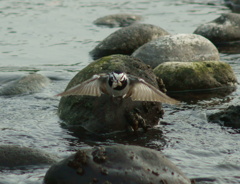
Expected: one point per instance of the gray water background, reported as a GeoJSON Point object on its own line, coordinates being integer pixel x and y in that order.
{"type": "Point", "coordinates": [54, 37]}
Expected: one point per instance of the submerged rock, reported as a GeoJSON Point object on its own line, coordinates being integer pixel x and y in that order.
{"type": "Point", "coordinates": [177, 48]}
{"type": "Point", "coordinates": [16, 156]}
{"type": "Point", "coordinates": [117, 20]}
{"type": "Point", "coordinates": [229, 117]}
{"type": "Point", "coordinates": [223, 29]}
{"type": "Point", "coordinates": [31, 83]}
{"type": "Point", "coordinates": [180, 76]}
{"type": "Point", "coordinates": [127, 40]}
{"type": "Point", "coordinates": [105, 114]}
{"type": "Point", "coordinates": [234, 5]}
{"type": "Point", "coordinates": [115, 165]}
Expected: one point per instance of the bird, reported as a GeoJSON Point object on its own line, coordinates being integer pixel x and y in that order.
{"type": "Point", "coordinates": [119, 84]}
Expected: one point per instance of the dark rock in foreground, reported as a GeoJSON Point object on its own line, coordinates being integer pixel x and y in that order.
{"type": "Point", "coordinates": [16, 156]}
{"type": "Point", "coordinates": [127, 40]}
{"type": "Point", "coordinates": [223, 29]}
{"type": "Point", "coordinates": [115, 165]}
{"type": "Point", "coordinates": [177, 48]}
{"type": "Point", "coordinates": [104, 114]}
{"type": "Point", "coordinates": [31, 83]}
{"type": "Point", "coordinates": [117, 20]}
{"type": "Point", "coordinates": [229, 117]}
{"type": "Point", "coordinates": [180, 76]}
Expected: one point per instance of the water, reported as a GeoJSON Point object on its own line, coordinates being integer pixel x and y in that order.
{"type": "Point", "coordinates": [53, 38]}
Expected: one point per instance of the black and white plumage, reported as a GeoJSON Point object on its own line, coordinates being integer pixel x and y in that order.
{"type": "Point", "coordinates": [119, 84]}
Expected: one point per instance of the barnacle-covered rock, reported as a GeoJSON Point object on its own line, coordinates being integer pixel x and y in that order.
{"type": "Point", "coordinates": [115, 165]}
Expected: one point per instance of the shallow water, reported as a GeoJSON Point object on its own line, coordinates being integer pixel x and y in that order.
{"type": "Point", "coordinates": [53, 38]}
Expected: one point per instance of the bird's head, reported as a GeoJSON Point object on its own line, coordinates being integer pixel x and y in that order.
{"type": "Point", "coordinates": [117, 79]}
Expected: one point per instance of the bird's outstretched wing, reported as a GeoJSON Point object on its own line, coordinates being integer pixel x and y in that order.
{"type": "Point", "coordinates": [140, 90]}
{"type": "Point", "coordinates": [91, 87]}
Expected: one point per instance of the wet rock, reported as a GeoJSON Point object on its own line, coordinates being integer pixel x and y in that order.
{"type": "Point", "coordinates": [127, 40]}
{"type": "Point", "coordinates": [234, 5]}
{"type": "Point", "coordinates": [117, 20]}
{"type": "Point", "coordinates": [229, 117]}
{"type": "Point", "coordinates": [104, 114]}
{"type": "Point", "coordinates": [119, 164]}
{"type": "Point", "coordinates": [16, 156]}
{"type": "Point", "coordinates": [179, 76]}
{"type": "Point", "coordinates": [31, 83]}
{"type": "Point", "coordinates": [177, 48]}
{"type": "Point", "coordinates": [223, 29]}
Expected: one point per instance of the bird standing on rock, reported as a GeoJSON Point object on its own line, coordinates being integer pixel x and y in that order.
{"type": "Point", "coordinates": [119, 84]}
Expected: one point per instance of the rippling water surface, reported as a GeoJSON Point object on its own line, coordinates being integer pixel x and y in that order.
{"type": "Point", "coordinates": [54, 38]}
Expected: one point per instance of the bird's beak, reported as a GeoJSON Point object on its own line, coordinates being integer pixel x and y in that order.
{"type": "Point", "coordinates": [116, 84]}
{"type": "Point", "coordinates": [119, 83]}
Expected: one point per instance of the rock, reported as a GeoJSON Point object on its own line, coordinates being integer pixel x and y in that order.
{"type": "Point", "coordinates": [115, 165]}
{"type": "Point", "coordinates": [31, 83]}
{"type": "Point", "coordinates": [126, 40]}
{"type": "Point", "coordinates": [16, 156]}
{"type": "Point", "coordinates": [177, 48]}
{"type": "Point", "coordinates": [103, 114]}
{"type": "Point", "coordinates": [223, 29]}
{"type": "Point", "coordinates": [229, 117]}
{"type": "Point", "coordinates": [179, 76]}
{"type": "Point", "coordinates": [117, 20]}
{"type": "Point", "coordinates": [234, 5]}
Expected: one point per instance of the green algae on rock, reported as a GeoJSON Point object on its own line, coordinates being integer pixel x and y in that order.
{"type": "Point", "coordinates": [180, 76]}
{"type": "Point", "coordinates": [102, 114]}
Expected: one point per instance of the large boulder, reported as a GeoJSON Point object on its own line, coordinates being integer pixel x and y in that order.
{"type": "Point", "coordinates": [180, 76]}
{"type": "Point", "coordinates": [103, 114]}
{"type": "Point", "coordinates": [117, 20]}
{"type": "Point", "coordinates": [127, 40]}
{"type": "Point", "coordinates": [115, 165]}
{"type": "Point", "coordinates": [177, 48]}
{"type": "Point", "coordinates": [223, 29]}
{"type": "Point", "coordinates": [31, 83]}
{"type": "Point", "coordinates": [16, 156]}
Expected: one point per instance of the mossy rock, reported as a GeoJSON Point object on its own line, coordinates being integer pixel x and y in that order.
{"type": "Point", "coordinates": [118, 164]}
{"type": "Point", "coordinates": [103, 114]}
{"type": "Point", "coordinates": [180, 76]}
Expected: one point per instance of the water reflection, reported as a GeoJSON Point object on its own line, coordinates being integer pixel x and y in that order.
{"type": "Point", "coordinates": [153, 138]}
{"type": "Point", "coordinates": [194, 96]}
